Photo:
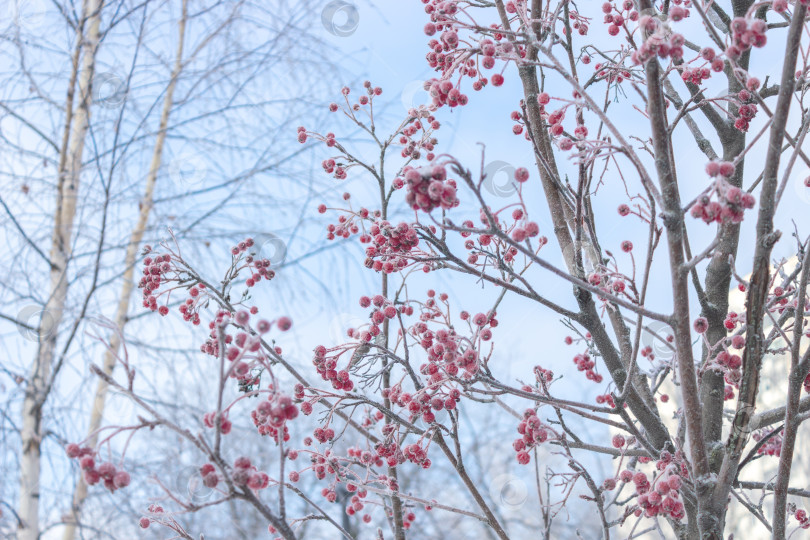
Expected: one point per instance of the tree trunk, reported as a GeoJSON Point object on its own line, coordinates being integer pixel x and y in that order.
{"type": "Point", "coordinates": [67, 190]}
{"type": "Point", "coordinates": [130, 263]}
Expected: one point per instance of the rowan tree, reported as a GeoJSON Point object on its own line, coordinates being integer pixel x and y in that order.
{"type": "Point", "coordinates": [612, 107]}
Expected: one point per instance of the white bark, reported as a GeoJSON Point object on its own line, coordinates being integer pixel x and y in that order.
{"type": "Point", "coordinates": [64, 217]}
{"type": "Point", "coordinates": [130, 263]}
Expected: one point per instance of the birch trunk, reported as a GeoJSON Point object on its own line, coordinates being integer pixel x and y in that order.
{"type": "Point", "coordinates": [130, 263]}
{"type": "Point", "coordinates": [64, 215]}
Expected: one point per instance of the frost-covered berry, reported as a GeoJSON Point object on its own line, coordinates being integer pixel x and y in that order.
{"type": "Point", "coordinates": [284, 323]}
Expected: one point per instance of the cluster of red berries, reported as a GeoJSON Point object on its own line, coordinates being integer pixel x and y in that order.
{"type": "Point", "coordinates": [189, 308]}
{"type": "Point", "coordinates": [365, 457]}
{"type": "Point", "coordinates": [355, 503]}
{"type": "Point", "coordinates": [324, 434]}
{"type": "Point", "coordinates": [732, 320]}
{"type": "Point", "coordinates": [415, 453]}
{"type": "Point", "coordinates": [448, 57]}
{"type": "Point", "coordinates": [259, 268]}
{"type": "Point", "coordinates": [771, 447]}
{"type": "Point", "coordinates": [730, 365]}
{"type": "Point", "coordinates": [411, 146]}
{"type": "Point", "coordinates": [209, 475]}
{"type": "Point", "coordinates": [327, 364]}
{"type": "Point", "coordinates": [497, 245]}
{"type": "Point", "coordinates": [330, 166]}
{"type": "Point", "coordinates": [425, 403]}
{"type": "Point", "coordinates": [450, 354]}
{"type": "Point", "coordinates": [443, 92]}
{"type": "Point", "coordinates": [349, 222]}
{"type": "Point", "coordinates": [606, 399]}
{"type": "Point", "coordinates": [580, 23]}
{"type": "Point", "coordinates": [362, 101]}
{"type": "Point", "coordinates": [801, 517]}
{"type": "Point", "coordinates": [657, 44]}
{"type": "Point", "coordinates": [748, 109]}
{"type": "Point", "coordinates": [779, 297]}
{"type": "Point", "coordinates": [438, 60]}
{"type": "Point", "coordinates": [322, 464]}
{"type": "Point", "coordinates": [523, 228]}
{"type": "Point", "coordinates": [244, 348]}
{"type": "Point", "coordinates": [533, 432]}
{"type": "Point", "coordinates": [555, 119]}
{"type": "Point", "coordinates": [543, 377]}
{"type": "Point", "coordinates": [610, 283]}
{"type": "Point", "coordinates": [210, 420]}
{"type": "Point", "coordinates": [585, 363]}
{"type": "Point", "coordinates": [390, 245]}
{"type": "Point", "coordinates": [429, 188]}
{"type": "Point", "coordinates": [154, 274]}
{"type": "Point", "coordinates": [244, 474]}
{"type": "Point", "coordinates": [270, 416]}
{"type": "Point", "coordinates": [615, 18]}
{"type": "Point", "coordinates": [647, 352]}
{"type": "Point", "coordinates": [661, 496]}
{"type": "Point", "coordinates": [388, 449]}
{"type": "Point", "coordinates": [371, 418]}
{"type": "Point", "coordinates": [732, 201]}
{"type": "Point", "coordinates": [112, 477]}
{"type": "Point", "coordinates": [697, 75]}
{"type": "Point", "coordinates": [746, 33]}
{"type": "Point", "coordinates": [154, 509]}
{"type": "Point", "coordinates": [327, 369]}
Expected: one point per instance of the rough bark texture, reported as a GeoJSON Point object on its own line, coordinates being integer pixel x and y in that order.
{"type": "Point", "coordinates": [712, 517]}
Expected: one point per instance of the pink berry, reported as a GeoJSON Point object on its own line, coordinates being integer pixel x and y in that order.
{"type": "Point", "coordinates": [284, 323]}
{"type": "Point", "coordinates": [727, 168]}
{"type": "Point", "coordinates": [121, 479]}
{"type": "Point", "coordinates": [521, 174]}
